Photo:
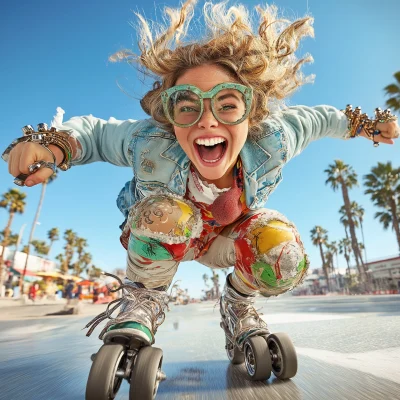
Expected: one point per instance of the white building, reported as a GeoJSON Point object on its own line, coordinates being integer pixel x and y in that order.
{"type": "Point", "coordinates": [385, 273]}
{"type": "Point", "coordinates": [35, 264]}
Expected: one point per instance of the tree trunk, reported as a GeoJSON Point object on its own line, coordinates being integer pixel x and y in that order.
{"type": "Point", "coordinates": [35, 220]}
{"type": "Point", "coordinates": [7, 231]}
{"type": "Point", "coordinates": [50, 246]}
{"type": "Point", "coordinates": [347, 257]}
{"type": "Point", "coordinates": [216, 284]}
{"type": "Point", "coordinates": [324, 267]}
{"type": "Point", "coordinates": [395, 220]}
{"type": "Point", "coordinates": [353, 236]}
{"type": "Point", "coordinates": [365, 249]}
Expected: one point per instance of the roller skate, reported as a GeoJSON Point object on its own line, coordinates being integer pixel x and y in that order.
{"type": "Point", "coordinates": [127, 352]}
{"type": "Point", "coordinates": [248, 340]}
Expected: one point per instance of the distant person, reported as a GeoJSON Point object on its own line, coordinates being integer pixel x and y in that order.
{"type": "Point", "coordinates": [78, 293]}
{"type": "Point", "coordinates": [69, 290]}
{"type": "Point", "coordinates": [33, 291]}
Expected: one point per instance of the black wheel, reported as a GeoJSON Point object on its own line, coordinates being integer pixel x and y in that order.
{"type": "Point", "coordinates": [283, 355]}
{"type": "Point", "coordinates": [235, 356]}
{"type": "Point", "coordinates": [257, 358]}
{"type": "Point", "coordinates": [103, 382]}
{"type": "Point", "coordinates": [146, 374]}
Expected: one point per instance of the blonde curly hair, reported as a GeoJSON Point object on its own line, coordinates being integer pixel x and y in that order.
{"type": "Point", "coordinates": [262, 58]}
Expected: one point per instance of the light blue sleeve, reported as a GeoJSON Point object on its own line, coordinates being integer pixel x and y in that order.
{"type": "Point", "coordinates": [102, 140]}
{"type": "Point", "coordinates": [302, 125]}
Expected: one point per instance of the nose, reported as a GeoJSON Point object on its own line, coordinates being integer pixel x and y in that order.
{"type": "Point", "coordinates": [207, 120]}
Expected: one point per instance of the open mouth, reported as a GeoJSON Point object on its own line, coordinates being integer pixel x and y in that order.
{"type": "Point", "coordinates": [211, 150]}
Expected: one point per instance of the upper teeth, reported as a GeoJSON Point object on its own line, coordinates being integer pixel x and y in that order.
{"type": "Point", "coordinates": [210, 142]}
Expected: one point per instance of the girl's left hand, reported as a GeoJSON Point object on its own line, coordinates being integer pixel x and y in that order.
{"type": "Point", "coordinates": [388, 132]}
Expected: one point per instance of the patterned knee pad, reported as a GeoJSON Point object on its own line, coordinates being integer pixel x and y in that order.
{"type": "Point", "coordinates": [159, 222]}
{"type": "Point", "coordinates": [271, 255]}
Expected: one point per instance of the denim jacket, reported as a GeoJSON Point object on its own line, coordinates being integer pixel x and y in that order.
{"type": "Point", "coordinates": [160, 165]}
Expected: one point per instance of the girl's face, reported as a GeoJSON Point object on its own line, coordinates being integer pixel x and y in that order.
{"type": "Point", "coordinates": [211, 146]}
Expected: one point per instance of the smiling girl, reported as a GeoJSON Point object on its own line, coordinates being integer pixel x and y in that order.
{"type": "Point", "coordinates": [205, 164]}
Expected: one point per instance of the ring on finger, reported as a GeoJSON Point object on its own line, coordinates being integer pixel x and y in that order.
{"type": "Point", "coordinates": [375, 133]}
{"type": "Point", "coordinates": [42, 164]}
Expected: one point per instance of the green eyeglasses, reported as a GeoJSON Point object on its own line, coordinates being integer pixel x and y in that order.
{"type": "Point", "coordinates": [184, 104]}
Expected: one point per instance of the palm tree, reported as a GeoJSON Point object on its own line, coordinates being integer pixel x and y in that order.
{"type": "Point", "coordinates": [357, 216]}
{"type": "Point", "coordinates": [60, 257]}
{"type": "Point", "coordinates": [70, 238]}
{"type": "Point", "coordinates": [14, 202]}
{"type": "Point", "coordinates": [319, 237]}
{"type": "Point", "coordinates": [40, 247]}
{"type": "Point", "coordinates": [12, 238]}
{"type": "Point", "coordinates": [80, 244]}
{"type": "Point", "coordinates": [205, 279]}
{"type": "Point", "coordinates": [393, 90]}
{"type": "Point", "coordinates": [215, 281]}
{"type": "Point", "coordinates": [344, 221]}
{"type": "Point", "coordinates": [343, 176]}
{"type": "Point", "coordinates": [359, 212]}
{"type": "Point", "coordinates": [86, 259]}
{"type": "Point", "coordinates": [346, 249]}
{"type": "Point", "coordinates": [383, 184]}
{"type": "Point", "coordinates": [333, 248]}
{"type": "Point", "coordinates": [385, 217]}
{"type": "Point", "coordinates": [53, 235]}
{"type": "Point", "coordinates": [35, 221]}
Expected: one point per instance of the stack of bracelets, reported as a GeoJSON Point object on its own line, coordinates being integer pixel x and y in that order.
{"type": "Point", "coordinates": [44, 137]}
{"type": "Point", "coordinates": [358, 122]}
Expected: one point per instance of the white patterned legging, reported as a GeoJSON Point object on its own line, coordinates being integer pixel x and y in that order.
{"type": "Point", "coordinates": [263, 246]}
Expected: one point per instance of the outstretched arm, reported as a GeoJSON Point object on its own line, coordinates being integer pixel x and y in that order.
{"type": "Point", "coordinates": [91, 139]}
{"type": "Point", "coordinates": [302, 125]}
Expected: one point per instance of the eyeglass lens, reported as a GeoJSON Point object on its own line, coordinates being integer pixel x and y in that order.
{"type": "Point", "coordinates": [228, 105]}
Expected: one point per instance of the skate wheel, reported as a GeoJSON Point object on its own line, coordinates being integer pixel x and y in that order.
{"type": "Point", "coordinates": [257, 358]}
{"type": "Point", "coordinates": [146, 374]}
{"type": "Point", "coordinates": [235, 356]}
{"type": "Point", "coordinates": [283, 355]}
{"type": "Point", "coordinates": [103, 382]}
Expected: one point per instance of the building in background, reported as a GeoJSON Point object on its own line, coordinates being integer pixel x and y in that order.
{"type": "Point", "coordinates": [385, 274]}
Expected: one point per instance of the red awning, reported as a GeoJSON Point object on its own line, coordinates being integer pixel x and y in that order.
{"type": "Point", "coordinates": [85, 283]}
{"type": "Point", "coordinates": [27, 272]}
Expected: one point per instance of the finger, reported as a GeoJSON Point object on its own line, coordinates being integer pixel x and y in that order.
{"type": "Point", "coordinates": [387, 129]}
{"type": "Point", "coordinates": [30, 154]}
{"type": "Point", "coordinates": [13, 165]}
{"type": "Point", "coordinates": [381, 139]}
{"type": "Point", "coordinates": [38, 177]}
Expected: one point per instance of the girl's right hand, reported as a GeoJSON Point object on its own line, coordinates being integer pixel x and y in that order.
{"type": "Point", "coordinates": [25, 154]}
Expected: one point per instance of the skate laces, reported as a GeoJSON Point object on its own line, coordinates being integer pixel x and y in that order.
{"type": "Point", "coordinates": [152, 302]}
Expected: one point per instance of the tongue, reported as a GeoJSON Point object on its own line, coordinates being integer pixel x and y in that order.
{"type": "Point", "coordinates": [210, 153]}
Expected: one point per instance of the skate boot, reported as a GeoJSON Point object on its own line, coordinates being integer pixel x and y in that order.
{"type": "Point", "coordinates": [248, 340]}
{"type": "Point", "coordinates": [127, 352]}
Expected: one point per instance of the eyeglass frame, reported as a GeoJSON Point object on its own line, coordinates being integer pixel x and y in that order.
{"type": "Point", "coordinates": [246, 91]}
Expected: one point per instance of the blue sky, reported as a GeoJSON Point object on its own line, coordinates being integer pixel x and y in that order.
{"type": "Point", "coordinates": [56, 55]}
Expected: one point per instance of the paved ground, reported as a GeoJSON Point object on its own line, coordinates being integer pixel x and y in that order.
{"type": "Point", "coordinates": [349, 348]}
